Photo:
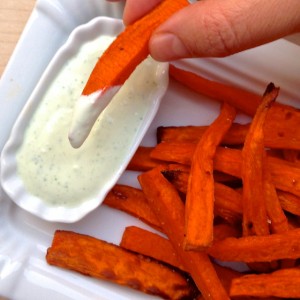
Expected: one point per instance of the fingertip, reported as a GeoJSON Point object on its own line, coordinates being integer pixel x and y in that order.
{"type": "Point", "coordinates": [166, 46]}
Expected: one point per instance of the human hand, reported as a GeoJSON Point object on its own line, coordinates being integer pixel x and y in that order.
{"type": "Point", "coordinates": [217, 27]}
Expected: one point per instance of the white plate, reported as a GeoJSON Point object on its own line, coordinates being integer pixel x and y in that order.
{"type": "Point", "coordinates": [24, 238]}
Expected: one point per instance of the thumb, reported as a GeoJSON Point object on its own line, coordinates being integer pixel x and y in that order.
{"type": "Point", "coordinates": [223, 27]}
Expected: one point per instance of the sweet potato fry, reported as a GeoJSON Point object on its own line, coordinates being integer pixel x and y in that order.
{"type": "Point", "coordinates": [282, 124]}
{"type": "Point", "coordinates": [150, 244]}
{"type": "Point", "coordinates": [229, 161]}
{"type": "Point", "coordinates": [226, 275]}
{"type": "Point", "coordinates": [289, 202]}
{"type": "Point", "coordinates": [133, 202]}
{"type": "Point", "coordinates": [224, 230]}
{"type": "Point", "coordinates": [178, 175]}
{"type": "Point", "coordinates": [129, 48]}
{"type": "Point", "coordinates": [227, 179]}
{"type": "Point", "coordinates": [180, 133]}
{"type": "Point", "coordinates": [228, 203]}
{"type": "Point", "coordinates": [199, 212]}
{"type": "Point", "coordinates": [168, 207]}
{"type": "Point", "coordinates": [243, 100]}
{"type": "Point", "coordinates": [258, 248]}
{"type": "Point", "coordinates": [282, 283]}
{"type": "Point", "coordinates": [226, 160]}
{"type": "Point", "coordinates": [282, 127]}
{"type": "Point", "coordinates": [174, 152]}
{"type": "Point", "coordinates": [235, 135]}
{"type": "Point", "coordinates": [278, 220]}
{"type": "Point", "coordinates": [160, 248]}
{"type": "Point", "coordinates": [141, 160]}
{"type": "Point", "coordinates": [110, 262]}
{"type": "Point", "coordinates": [260, 200]}
{"type": "Point", "coordinates": [285, 175]}
{"type": "Point", "coordinates": [255, 219]}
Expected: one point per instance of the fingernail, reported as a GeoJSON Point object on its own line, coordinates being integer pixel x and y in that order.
{"type": "Point", "coordinates": [167, 46]}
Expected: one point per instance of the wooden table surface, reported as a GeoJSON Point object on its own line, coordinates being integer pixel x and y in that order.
{"type": "Point", "coordinates": [13, 17]}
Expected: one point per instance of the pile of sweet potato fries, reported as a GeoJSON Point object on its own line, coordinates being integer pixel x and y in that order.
{"type": "Point", "coordinates": [223, 192]}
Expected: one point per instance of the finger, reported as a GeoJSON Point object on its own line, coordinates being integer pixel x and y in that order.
{"type": "Point", "coordinates": [134, 9]}
{"type": "Point", "coordinates": [220, 27]}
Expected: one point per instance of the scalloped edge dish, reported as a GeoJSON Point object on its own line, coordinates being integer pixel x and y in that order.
{"type": "Point", "coordinates": [15, 185]}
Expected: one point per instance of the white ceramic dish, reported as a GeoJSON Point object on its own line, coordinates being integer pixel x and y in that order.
{"type": "Point", "coordinates": [24, 238]}
{"type": "Point", "coordinates": [15, 185]}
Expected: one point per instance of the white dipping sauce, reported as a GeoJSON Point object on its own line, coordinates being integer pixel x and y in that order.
{"type": "Point", "coordinates": [49, 166]}
{"type": "Point", "coordinates": [86, 111]}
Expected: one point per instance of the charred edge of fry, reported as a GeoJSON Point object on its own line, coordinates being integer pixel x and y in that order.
{"type": "Point", "coordinates": [255, 219]}
{"type": "Point", "coordinates": [110, 262]}
{"type": "Point", "coordinates": [132, 201]}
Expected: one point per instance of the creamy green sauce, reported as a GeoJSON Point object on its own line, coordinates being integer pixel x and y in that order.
{"type": "Point", "coordinates": [49, 166]}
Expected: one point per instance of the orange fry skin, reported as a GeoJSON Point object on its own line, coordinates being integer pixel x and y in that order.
{"type": "Point", "coordinates": [169, 209]}
{"type": "Point", "coordinates": [93, 257]}
{"type": "Point", "coordinates": [235, 135]}
{"type": "Point", "coordinates": [279, 221]}
{"type": "Point", "coordinates": [289, 202]}
{"type": "Point", "coordinates": [251, 249]}
{"type": "Point", "coordinates": [129, 49]}
{"type": "Point", "coordinates": [282, 127]}
{"type": "Point", "coordinates": [150, 244]}
{"type": "Point", "coordinates": [255, 219]}
{"type": "Point", "coordinates": [282, 124]}
{"type": "Point", "coordinates": [174, 152]}
{"type": "Point", "coordinates": [160, 248]}
{"type": "Point", "coordinates": [241, 99]}
{"type": "Point", "coordinates": [178, 175]}
{"type": "Point", "coordinates": [282, 283]}
{"type": "Point", "coordinates": [141, 160]}
{"type": "Point", "coordinates": [199, 213]}
{"type": "Point", "coordinates": [227, 203]}
{"type": "Point", "coordinates": [285, 175]}
{"type": "Point", "coordinates": [133, 202]}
